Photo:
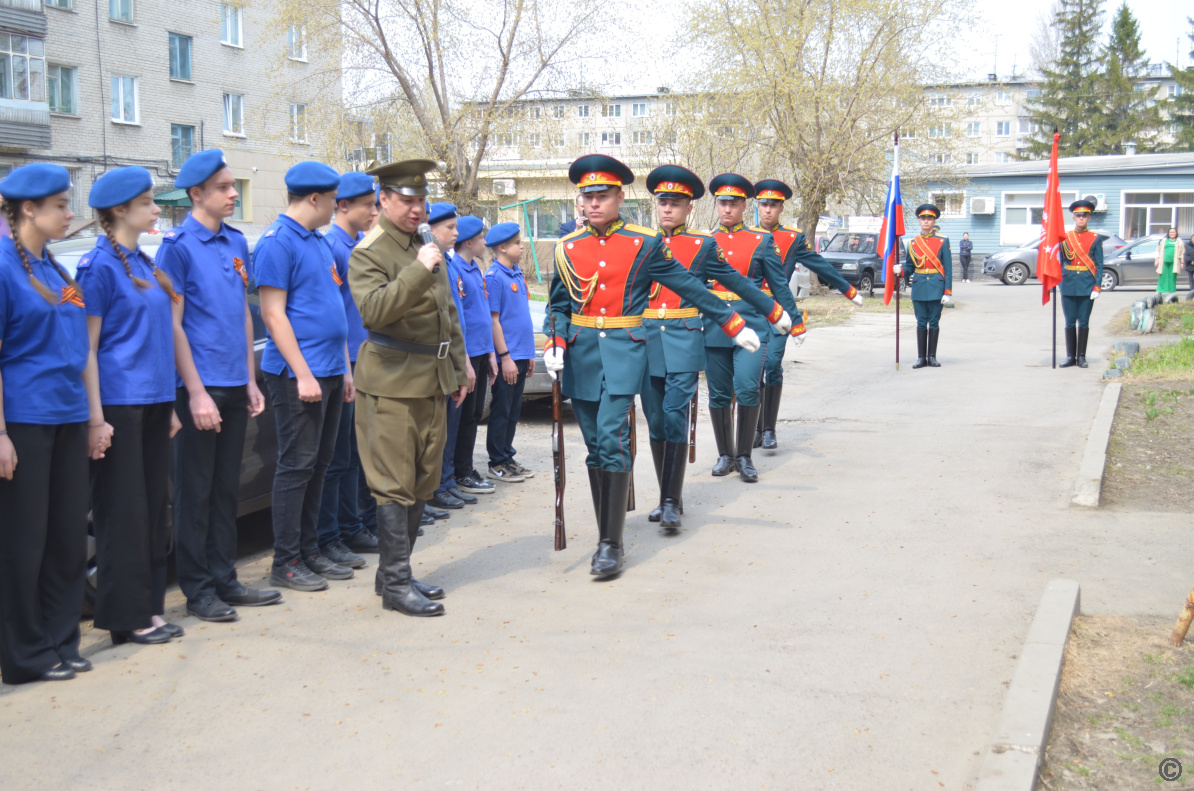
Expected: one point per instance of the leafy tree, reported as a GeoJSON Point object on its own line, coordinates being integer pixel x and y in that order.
{"type": "Point", "coordinates": [1069, 94]}
{"type": "Point", "coordinates": [1181, 107]}
{"type": "Point", "coordinates": [1126, 114]}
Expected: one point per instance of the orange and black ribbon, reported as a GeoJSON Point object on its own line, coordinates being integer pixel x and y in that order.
{"type": "Point", "coordinates": [336, 276]}
{"type": "Point", "coordinates": [71, 294]}
{"type": "Point", "coordinates": [240, 270]}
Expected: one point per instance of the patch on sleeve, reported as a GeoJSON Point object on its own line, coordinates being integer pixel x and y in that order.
{"type": "Point", "coordinates": [371, 237]}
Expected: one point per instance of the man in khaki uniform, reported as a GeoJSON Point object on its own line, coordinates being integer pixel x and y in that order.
{"type": "Point", "coordinates": [413, 357]}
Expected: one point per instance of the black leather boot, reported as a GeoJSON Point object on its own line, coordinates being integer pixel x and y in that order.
{"type": "Point", "coordinates": [414, 516]}
{"type": "Point", "coordinates": [675, 459]}
{"type": "Point", "coordinates": [595, 489]}
{"type": "Point", "coordinates": [933, 336]}
{"type": "Point", "coordinates": [747, 417]}
{"type": "Point", "coordinates": [1083, 337]}
{"type": "Point", "coordinates": [723, 436]}
{"type": "Point", "coordinates": [758, 443]}
{"type": "Point", "coordinates": [615, 490]}
{"type": "Point", "coordinates": [770, 415]}
{"type": "Point", "coordinates": [1071, 345]}
{"type": "Point", "coordinates": [657, 457]}
{"type": "Point", "coordinates": [922, 340]}
{"type": "Point", "coordinates": [398, 592]}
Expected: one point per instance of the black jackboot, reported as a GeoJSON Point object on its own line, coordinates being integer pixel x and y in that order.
{"type": "Point", "coordinates": [414, 516]}
{"type": "Point", "coordinates": [394, 539]}
{"type": "Point", "coordinates": [933, 336]}
{"type": "Point", "coordinates": [758, 443]}
{"type": "Point", "coordinates": [723, 435]}
{"type": "Point", "coordinates": [595, 490]}
{"type": "Point", "coordinates": [675, 459]}
{"type": "Point", "coordinates": [1071, 345]}
{"type": "Point", "coordinates": [1083, 337]}
{"type": "Point", "coordinates": [611, 519]}
{"type": "Point", "coordinates": [747, 417]}
{"type": "Point", "coordinates": [922, 341]}
{"type": "Point", "coordinates": [770, 415]}
{"type": "Point", "coordinates": [657, 457]}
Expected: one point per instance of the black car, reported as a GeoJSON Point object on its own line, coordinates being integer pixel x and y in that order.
{"type": "Point", "coordinates": [856, 257]}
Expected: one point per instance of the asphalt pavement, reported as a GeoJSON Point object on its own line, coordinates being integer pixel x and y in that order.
{"type": "Point", "coordinates": [849, 622]}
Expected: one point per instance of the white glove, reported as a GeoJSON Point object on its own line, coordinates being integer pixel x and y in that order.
{"type": "Point", "coordinates": [897, 270]}
{"type": "Point", "coordinates": [784, 325]}
{"type": "Point", "coordinates": [553, 361]}
{"type": "Point", "coordinates": [857, 300]}
{"type": "Point", "coordinates": [1095, 294]}
{"type": "Point", "coordinates": [945, 300]}
{"type": "Point", "coordinates": [798, 339]}
{"type": "Point", "coordinates": [748, 339]}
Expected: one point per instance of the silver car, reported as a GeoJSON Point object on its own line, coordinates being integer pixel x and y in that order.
{"type": "Point", "coordinates": [1015, 267]}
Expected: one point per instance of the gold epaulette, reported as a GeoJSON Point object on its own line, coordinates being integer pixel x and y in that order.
{"type": "Point", "coordinates": [574, 234]}
{"type": "Point", "coordinates": [696, 232]}
{"type": "Point", "coordinates": [792, 229]}
{"type": "Point", "coordinates": [645, 231]}
{"type": "Point", "coordinates": [371, 237]}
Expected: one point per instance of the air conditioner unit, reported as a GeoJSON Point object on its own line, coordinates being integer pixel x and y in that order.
{"type": "Point", "coordinates": [1099, 200]}
{"type": "Point", "coordinates": [503, 186]}
{"type": "Point", "coordinates": [982, 205]}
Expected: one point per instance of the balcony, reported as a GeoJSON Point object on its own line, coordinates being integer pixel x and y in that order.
{"type": "Point", "coordinates": [24, 124]}
{"type": "Point", "coordinates": [27, 17]}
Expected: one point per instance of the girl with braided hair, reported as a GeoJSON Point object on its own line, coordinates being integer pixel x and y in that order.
{"type": "Point", "coordinates": [131, 327]}
{"type": "Point", "coordinates": [50, 421]}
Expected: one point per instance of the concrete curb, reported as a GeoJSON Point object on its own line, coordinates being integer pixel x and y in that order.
{"type": "Point", "coordinates": [1089, 486]}
{"type": "Point", "coordinates": [1014, 756]}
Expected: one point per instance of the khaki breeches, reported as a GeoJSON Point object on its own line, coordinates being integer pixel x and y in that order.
{"type": "Point", "coordinates": [401, 444]}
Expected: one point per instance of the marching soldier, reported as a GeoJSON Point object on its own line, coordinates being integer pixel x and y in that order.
{"type": "Point", "coordinates": [794, 248]}
{"type": "Point", "coordinates": [754, 255]}
{"type": "Point", "coordinates": [598, 295]}
{"type": "Point", "coordinates": [1081, 275]}
{"type": "Point", "coordinates": [412, 357]}
{"type": "Point", "coordinates": [932, 283]}
{"type": "Point", "coordinates": [675, 337]}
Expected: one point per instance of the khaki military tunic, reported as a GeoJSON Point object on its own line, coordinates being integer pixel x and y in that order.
{"type": "Point", "coordinates": [401, 410]}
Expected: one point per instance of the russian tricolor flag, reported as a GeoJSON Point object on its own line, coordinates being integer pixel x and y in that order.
{"type": "Point", "coordinates": [893, 227]}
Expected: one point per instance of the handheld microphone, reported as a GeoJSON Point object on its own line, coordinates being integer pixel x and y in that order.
{"type": "Point", "coordinates": [425, 231]}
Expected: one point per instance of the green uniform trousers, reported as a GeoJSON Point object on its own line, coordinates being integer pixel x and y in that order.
{"type": "Point", "coordinates": [928, 313]}
{"type": "Point", "coordinates": [732, 371]}
{"type": "Point", "coordinates": [665, 403]}
{"type": "Point", "coordinates": [773, 368]}
{"type": "Point", "coordinates": [605, 425]}
{"type": "Point", "coordinates": [1077, 310]}
{"type": "Point", "coordinates": [401, 442]}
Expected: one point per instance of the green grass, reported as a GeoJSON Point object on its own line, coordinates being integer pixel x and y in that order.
{"type": "Point", "coordinates": [1175, 317]}
{"type": "Point", "coordinates": [1186, 677]}
{"type": "Point", "coordinates": [1170, 361]}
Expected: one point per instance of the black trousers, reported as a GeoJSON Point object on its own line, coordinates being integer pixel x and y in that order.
{"type": "Point", "coordinates": [965, 262]}
{"type": "Point", "coordinates": [306, 440]}
{"type": "Point", "coordinates": [129, 508]}
{"type": "Point", "coordinates": [471, 410]}
{"type": "Point", "coordinates": [43, 549]}
{"type": "Point", "coordinates": [504, 410]}
{"type": "Point", "coordinates": [207, 469]}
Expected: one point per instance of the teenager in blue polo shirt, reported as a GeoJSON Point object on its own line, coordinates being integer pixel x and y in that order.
{"type": "Point", "coordinates": [306, 369]}
{"type": "Point", "coordinates": [216, 388]}
{"type": "Point", "coordinates": [514, 343]}
{"type": "Point", "coordinates": [131, 325]}
{"type": "Point", "coordinates": [50, 421]}
{"type": "Point", "coordinates": [341, 532]}
{"type": "Point", "coordinates": [473, 306]}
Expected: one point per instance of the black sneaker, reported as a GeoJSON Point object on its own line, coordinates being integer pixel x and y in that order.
{"type": "Point", "coordinates": [519, 470]}
{"type": "Point", "coordinates": [244, 596]}
{"type": "Point", "coordinates": [467, 499]}
{"type": "Point", "coordinates": [502, 472]}
{"type": "Point", "coordinates": [363, 541]}
{"type": "Point", "coordinates": [338, 553]}
{"type": "Point", "coordinates": [325, 568]}
{"type": "Point", "coordinates": [446, 500]}
{"type": "Point", "coordinates": [475, 484]}
{"type": "Point", "coordinates": [296, 576]}
{"type": "Point", "coordinates": [434, 513]}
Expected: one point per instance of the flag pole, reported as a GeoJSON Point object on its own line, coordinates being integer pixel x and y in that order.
{"type": "Point", "coordinates": [897, 277]}
{"type": "Point", "coordinates": [1054, 298]}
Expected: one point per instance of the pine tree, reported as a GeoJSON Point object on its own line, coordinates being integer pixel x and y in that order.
{"type": "Point", "coordinates": [1068, 100]}
{"type": "Point", "coordinates": [1181, 107]}
{"type": "Point", "coordinates": [1127, 115]}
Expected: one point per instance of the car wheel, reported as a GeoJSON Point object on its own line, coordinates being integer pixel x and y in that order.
{"type": "Point", "coordinates": [1110, 280]}
{"type": "Point", "coordinates": [1015, 274]}
{"type": "Point", "coordinates": [866, 284]}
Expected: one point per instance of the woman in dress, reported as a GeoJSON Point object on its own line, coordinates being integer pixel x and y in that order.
{"type": "Point", "coordinates": [1171, 258]}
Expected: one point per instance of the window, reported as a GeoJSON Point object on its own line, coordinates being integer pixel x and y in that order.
{"type": "Point", "coordinates": [974, 129]}
{"type": "Point", "coordinates": [611, 138]}
{"type": "Point", "coordinates": [1003, 97]}
{"type": "Point", "coordinates": [230, 25]}
{"type": "Point", "coordinates": [639, 109]}
{"type": "Point", "coordinates": [582, 110]}
{"type": "Point", "coordinates": [1174, 90]}
{"type": "Point", "coordinates": [972, 159]}
{"type": "Point", "coordinates": [582, 139]}
{"type": "Point", "coordinates": [940, 100]}
{"type": "Point", "coordinates": [1003, 128]}
{"type": "Point", "coordinates": [243, 189]}
{"type": "Point", "coordinates": [180, 57]}
{"type": "Point", "coordinates": [974, 100]}
{"type": "Point", "coordinates": [298, 123]}
{"type": "Point", "coordinates": [611, 111]}
{"type": "Point", "coordinates": [1027, 127]}
{"type": "Point", "coordinates": [297, 43]}
{"type": "Point", "coordinates": [124, 99]}
{"type": "Point", "coordinates": [507, 139]}
{"type": "Point", "coordinates": [120, 10]}
{"type": "Point", "coordinates": [62, 89]}
{"type": "Point", "coordinates": [59, 3]}
{"type": "Point", "coordinates": [669, 137]}
{"type": "Point", "coordinates": [951, 204]}
{"type": "Point", "coordinates": [1157, 212]}
{"type": "Point", "coordinates": [22, 68]}
{"type": "Point", "coordinates": [385, 147]}
{"type": "Point", "coordinates": [534, 140]}
{"type": "Point", "coordinates": [640, 138]}
{"type": "Point", "coordinates": [536, 112]}
{"type": "Point", "coordinates": [182, 144]}
{"type": "Point", "coordinates": [1002, 158]}
{"type": "Point", "coordinates": [669, 108]}
{"type": "Point", "coordinates": [557, 140]}
{"type": "Point", "coordinates": [940, 130]}
{"type": "Point", "coordinates": [1022, 215]}
{"type": "Point", "coordinates": [557, 111]}
{"type": "Point", "coordinates": [909, 134]}
{"type": "Point", "coordinates": [940, 159]}
{"type": "Point", "coordinates": [234, 114]}
{"type": "Point", "coordinates": [1032, 95]}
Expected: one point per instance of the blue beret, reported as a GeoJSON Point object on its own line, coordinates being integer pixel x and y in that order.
{"type": "Point", "coordinates": [467, 227]}
{"type": "Point", "coordinates": [502, 233]}
{"type": "Point", "coordinates": [199, 168]}
{"type": "Point", "coordinates": [354, 184]}
{"type": "Point", "coordinates": [119, 186]}
{"type": "Point", "coordinates": [308, 177]}
{"type": "Point", "coordinates": [440, 212]}
{"type": "Point", "coordinates": [34, 182]}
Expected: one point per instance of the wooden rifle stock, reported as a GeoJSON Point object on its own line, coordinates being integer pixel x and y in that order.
{"type": "Point", "coordinates": [633, 453]}
{"type": "Point", "coordinates": [557, 452]}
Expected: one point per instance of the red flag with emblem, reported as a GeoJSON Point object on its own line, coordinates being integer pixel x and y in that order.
{"type": "Point", "coordinates": [1048, 258]}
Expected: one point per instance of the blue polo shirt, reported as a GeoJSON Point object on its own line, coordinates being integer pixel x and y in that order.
{"type": "Point", "coordinates": [472, 303]}
{"type": "Point", "coordinates": [43, 347]}
{"type": "Point", "coordinates": [290, 257]}
{"type": "Point", "coordinates": [135, 355]}
{"type": "Point", "coordinates": [207, 272]}
{"type": "Point", "coordinates": [509, 298]}
{"type": "Point", "coordinates": [342, 244]}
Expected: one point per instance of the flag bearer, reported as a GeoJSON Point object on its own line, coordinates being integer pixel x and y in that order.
{"type": "Point", "coordinates": [932, 283]}
{"type": "Point", "coordinates": [1081, 275]}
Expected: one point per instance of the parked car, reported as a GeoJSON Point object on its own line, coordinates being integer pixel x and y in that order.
{"type": "Point", "coordinates": [856, 257]}
{"type": "Point", "coordinates": [1015, 267]}
{"type": "Point", "coordinates": [1135, 264]}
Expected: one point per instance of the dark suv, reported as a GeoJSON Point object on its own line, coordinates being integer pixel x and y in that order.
{"type": "Point", "coordinates": [855, 256]}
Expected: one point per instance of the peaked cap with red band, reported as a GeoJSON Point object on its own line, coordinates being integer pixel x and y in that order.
{"type": "Point", "coordinates": [594, 172]}
{"type": "Point", "coordinates": [772, 189]}
{"type": "Point", "coordinates": [731, 185]}
{"type": "Point", "coordinates": [675, 181]}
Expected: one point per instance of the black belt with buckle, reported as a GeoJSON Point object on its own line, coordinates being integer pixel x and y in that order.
{"type": "Point", "coordinates": [440, 350]}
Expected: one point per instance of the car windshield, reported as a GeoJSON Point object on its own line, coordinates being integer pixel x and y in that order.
{"type": "Point", "coordinates": [853, 243]}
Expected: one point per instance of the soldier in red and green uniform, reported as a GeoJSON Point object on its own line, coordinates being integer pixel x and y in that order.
{"type": "Point", "coordinates": [932, 283]}
{"type": "Point", "coordinates": [675, 333]}
{"type": "Point", "coordinates": [1081, 275]}
{"type": "Point", "coordinates": [794, 248]}
{"type": "Point", "coordinates": [599, 293]}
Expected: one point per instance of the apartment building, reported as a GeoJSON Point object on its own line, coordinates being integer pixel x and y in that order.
{"type": "Point", "coordinates": [97, 84]}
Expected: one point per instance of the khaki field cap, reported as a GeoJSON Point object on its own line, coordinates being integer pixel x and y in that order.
{"type": "Point", "coordinates": [405, 178]}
